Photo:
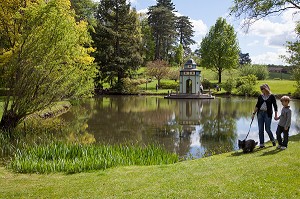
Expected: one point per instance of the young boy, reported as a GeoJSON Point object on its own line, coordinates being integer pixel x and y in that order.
{"type": "Point", "coordinates": [284, 123]}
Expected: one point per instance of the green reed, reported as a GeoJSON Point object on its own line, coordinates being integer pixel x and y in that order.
{"type": "Point", "coordinates": [74, 158]}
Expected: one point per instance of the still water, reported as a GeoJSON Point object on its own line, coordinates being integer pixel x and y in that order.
{"type": "Point", "coordinates": [191, 128]}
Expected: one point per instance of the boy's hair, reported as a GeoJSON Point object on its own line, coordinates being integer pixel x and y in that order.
{"type": "Point", "coordinates": [285, 98]}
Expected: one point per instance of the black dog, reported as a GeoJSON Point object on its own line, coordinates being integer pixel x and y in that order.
{"type": "Point", "coordinates": [247, 145]}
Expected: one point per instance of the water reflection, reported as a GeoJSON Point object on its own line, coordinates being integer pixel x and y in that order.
{"type": "Point", "coordinates": [191, 128]}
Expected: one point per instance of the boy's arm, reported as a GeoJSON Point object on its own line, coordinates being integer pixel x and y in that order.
{"type": "Point", "coordinates": [288, 120]}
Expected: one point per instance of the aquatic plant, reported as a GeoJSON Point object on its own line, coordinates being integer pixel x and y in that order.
{"type": "Point", "coordinates": [74, 158]}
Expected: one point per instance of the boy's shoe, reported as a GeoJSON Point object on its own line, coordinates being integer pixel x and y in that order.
{"type": "Point", "coordinates": [261, 146]}
{"type": "Point", "coordinates": [279, 147]}
{"type": "Point", "coordinates": [283, 148]}
{"type": "Point", "coordinates": [274, 143]}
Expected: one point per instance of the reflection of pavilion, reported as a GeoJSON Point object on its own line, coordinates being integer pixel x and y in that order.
{"type": "Point", "coordinates": [189, 116]}
{"type": "Point", "coordinates": [189, 112]}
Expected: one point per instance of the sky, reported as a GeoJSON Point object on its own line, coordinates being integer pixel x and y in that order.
{"type": "Point", "coordinates": [264, 41]}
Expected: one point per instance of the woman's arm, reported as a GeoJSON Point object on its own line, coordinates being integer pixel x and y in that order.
{"type": "Point", "coordinates": [275, 106]}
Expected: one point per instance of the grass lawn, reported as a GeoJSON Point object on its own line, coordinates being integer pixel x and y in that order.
{"type": "Point", "coordinates": [279, 86]}
{"type": "Point", "coordinates": [265, 173]}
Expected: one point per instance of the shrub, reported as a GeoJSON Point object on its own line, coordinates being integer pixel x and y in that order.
{"type": "Point", "coordinates": [260, 71]}
{"type": "Point", "coordinates": [245, 85]}
{"type": "Point", "coordinates": [296, 76]}
{"type": "Point", "coordinates": [229, 85]}
{"type": "Point", "coordinates": [207, 84]}
{"type": "Point", "coordinates": [128, 86]}
{"type": "Point", "coordinates": [169, 85]}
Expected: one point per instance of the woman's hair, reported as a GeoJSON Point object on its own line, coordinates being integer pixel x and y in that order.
{"type": "Point", "coordinates": [266, 87]}
{"type": "Point", "coordinates": [285, 98]}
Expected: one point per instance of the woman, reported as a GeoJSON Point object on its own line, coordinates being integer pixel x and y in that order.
{"type": "Point", "coordinates": [264, 112]}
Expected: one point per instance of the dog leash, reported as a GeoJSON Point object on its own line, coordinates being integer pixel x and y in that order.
{"type": "Point", "coordinates": [249, 128]}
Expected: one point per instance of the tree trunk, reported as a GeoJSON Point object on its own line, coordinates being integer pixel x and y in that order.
{"type": "Point", "coordinates": [9, 122]}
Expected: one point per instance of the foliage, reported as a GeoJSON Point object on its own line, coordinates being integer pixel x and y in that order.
{"type": "Point", "coordinates": [229, 85]}
{"type": "Point", "coordinates": [185, 31]}
{"type": "Point", "coordinates": [158, 69]}
{"type": "Point", "coordinates": [169, 85]}
{"type": "Point", "coordinates": [46, 60]}
{"type": "Point", "coordinates": [33, 130]}
{"type": "Point", "coordinates": [117, 39]}
{"type": "Point", "coordinates": [296, 75]}
{"type": "Point", "coordinates": [293, 48]}
{"type": "Point", "coordinates": [244, 58]}
{"type": "Point", "coordinates": [74, 158]}
{"type": "Point", "coordinates": [84, 10]}
{"type": "Point", "coordinates": [219, 49]}
{"type": "Point", "coordinates": [260, 71]}
{"type": "Point", "coordinates": [162, 22]}
{"type": "Point", "coordinates": [174, 73]}
{"type": "Point", "coordinates": [253, 10]}
{"type": "Point", "coordinates": [179, 51]}
{"type": "Point", "coordinates": [245, 85]}
{"type": "Point", "coordinates": [148, 43]}
{"type": "Point", "coordinates": [130, 85]}
{"type": "Point", "coordinates": [207, 84]}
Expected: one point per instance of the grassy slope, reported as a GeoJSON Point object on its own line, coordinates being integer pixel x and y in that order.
{"type": "Point", "coordinates": [280, 87]}
{"type": "Point", "coordinates": [266, 173]}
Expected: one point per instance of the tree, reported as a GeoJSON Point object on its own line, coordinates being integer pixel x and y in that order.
{"type": "Point", "coordinates": [148, 42]}
{"type": "Point", "coordinates": [293, 48]}
{"type": "Point", "coordinates": [179, 51]}
{"type": "Point", "coordinates": [219, 49]}
{"type": "Point", "coordinates": [162, 22]}
{"type": "Point", "coordinates": [158, 69]}
{"type": "Point", "coordinates": [45, 59]}
{"type": "Point", "coordinates": [244, 59]}
{"type": "Point", "coordinates": [118, 41]}
{"type": "Point", "coordinates": [84, 10]}
{"type": "Point", "coordinates": [253, 10]}
{"type": "Point", "coordinates": [185, 31]}
{"type": "Point", "coordinates": [261, 72]}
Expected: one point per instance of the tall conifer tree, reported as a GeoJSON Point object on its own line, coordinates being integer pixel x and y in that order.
{"type": "Point", "coordinates": [185, 33]}
{"type": "Point", "coordinates": [162, 21]}
{"type": "Point", "coordinates": [118, 41]}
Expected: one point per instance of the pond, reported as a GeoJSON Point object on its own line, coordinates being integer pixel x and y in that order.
{"type": "Point", "coordinates": [191, 128]}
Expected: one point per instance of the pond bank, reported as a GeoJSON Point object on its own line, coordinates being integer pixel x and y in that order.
{"type": "Point", "coordinates": [56, 110]}
{"type": "Point", "coordinates": [265, 173]}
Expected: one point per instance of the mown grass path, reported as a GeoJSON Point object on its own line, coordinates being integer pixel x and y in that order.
{"type": "Point", "coordinates": [266, 173]}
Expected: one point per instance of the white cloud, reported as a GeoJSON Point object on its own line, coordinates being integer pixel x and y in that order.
{"type": "Point", "coordinates": [269, 57]}
{"type": "Point", "coordinates": [143, 10]}
{"type": "Point", "coordinates": [275, 33]}
{"type": "Point", "coordinates": [200, 28]}
{"type": "Point", "coordinates": [132, 1]}
{"type": "Point", "coordinates": [253, 43]}
{"type": "Point", "coordinates": [271, 34]}
{"type": "Point", "coordinates": [266, 28]}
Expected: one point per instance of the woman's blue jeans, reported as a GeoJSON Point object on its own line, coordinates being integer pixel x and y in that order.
{"type": "Point", "coordinates": [264, 122]}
